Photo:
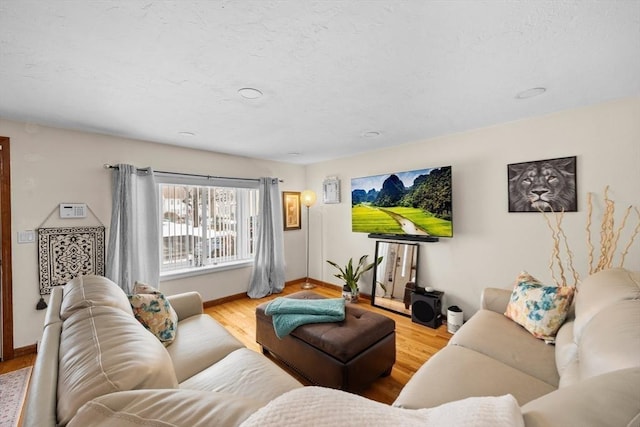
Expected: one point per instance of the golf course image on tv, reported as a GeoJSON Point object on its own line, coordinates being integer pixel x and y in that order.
{"type": "Point", "coordinates": [415, 202]}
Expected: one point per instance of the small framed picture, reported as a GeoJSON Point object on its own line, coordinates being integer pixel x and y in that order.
{"type": "Point", "coordinates": [543, 185]}
{"type": "Point", "coordinates": [291, 210]}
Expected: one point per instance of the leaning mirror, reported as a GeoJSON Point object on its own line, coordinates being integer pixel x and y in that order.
{"type": "Point", "coordinates": [395, 276]}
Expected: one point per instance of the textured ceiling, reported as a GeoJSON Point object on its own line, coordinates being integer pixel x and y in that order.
{"type": "Point", "coordinates": [330, 71]}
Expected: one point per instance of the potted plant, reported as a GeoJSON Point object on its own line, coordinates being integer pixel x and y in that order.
{"type": "Point", "coordinates": [351, 275]}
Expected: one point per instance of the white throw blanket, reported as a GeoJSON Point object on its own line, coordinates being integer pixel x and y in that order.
{"type": "Point", "coordinates": [318, 406]}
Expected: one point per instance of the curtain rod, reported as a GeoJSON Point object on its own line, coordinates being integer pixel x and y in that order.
{"type": "Point", "coordinates": [108, 166]}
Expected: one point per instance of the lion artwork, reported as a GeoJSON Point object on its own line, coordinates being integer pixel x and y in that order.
{"type": "Point", "coordinates": [543, 185]}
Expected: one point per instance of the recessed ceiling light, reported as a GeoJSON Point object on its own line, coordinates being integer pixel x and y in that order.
{"type": "Point", "coordinates": [293, 153]}
{"type": "Point", "coordinates": [371, 134]}
{"type": "Point", "coordinates": [530, 93]}
{"type": "Point", "coordinates": [249, 93]}
{"type": "Point", "coordinates": [186, 133]}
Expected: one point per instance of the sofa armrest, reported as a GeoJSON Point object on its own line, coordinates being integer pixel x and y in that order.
{"type": "Point", "coordinates": [495, 299]}
{"type": "Point", "coordinates": [40, 404]}
{"type": "Point", "coordinates": [186, 304]}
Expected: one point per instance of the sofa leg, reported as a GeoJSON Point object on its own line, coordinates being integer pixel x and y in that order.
{"type": "Point", "coordinates": [264, 350]}
{"type": "Point", "coordinates": [387, 372]}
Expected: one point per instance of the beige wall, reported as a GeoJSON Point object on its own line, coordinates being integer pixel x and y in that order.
{"type": "Point", "coordinates": [50, 166]}
{"type": "Point", "coordinates": [491, 246]}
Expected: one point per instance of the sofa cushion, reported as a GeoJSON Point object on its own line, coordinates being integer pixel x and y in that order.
{"type": "Point", "coordinates": [540, 309]}
{"type": "Point", "coordinates": [601, 290]}
{"type": "Point", "coordinates": [612, 399]}
{"type": "Point", "coordinates": [611, 340]}
{"type": "Point", "coordinates": [524, 276]}
{"type": "Point", "coordinates": [92, 291]}
{"type": "Point", "coordinates": [566, 352]}
{"type": "Point", "coordinates": [154, 312]}
{"type": "Point", "coordinates": [244, 373]}
{"type": "Point", "coordinates": [95, 360]}
{"type": "Point", "coordinates": [165, 408]}
{"type": "Point", "coordinates": [200, 343]}
{"type": "Point", "coordinates": [144, 288]}
{"type": "Point", "coordinates": [498, 337]}
{"type": "Point", "coordinates": [456, 373]}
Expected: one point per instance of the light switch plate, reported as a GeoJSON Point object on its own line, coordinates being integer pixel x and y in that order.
{"type": "Point", "coordinates": [27, 236]}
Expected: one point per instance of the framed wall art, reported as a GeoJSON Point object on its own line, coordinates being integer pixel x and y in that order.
{"type": "Point", "coordinates": [291, 210]}
{"type": "Point", "coordinates": [68, 252]}
{"type": "Point", "coordinates": [543, 185]}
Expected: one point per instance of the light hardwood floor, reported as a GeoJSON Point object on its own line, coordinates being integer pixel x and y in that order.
{"type": "Point", "coordinates": [415, 343]}
{"type": "Point", "coordinates": [17, 363]}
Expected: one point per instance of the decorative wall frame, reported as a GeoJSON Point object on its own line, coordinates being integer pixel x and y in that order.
{"type": "Point", "coordinates": [292, 213]}
{"type": "Point", "coordinates": [547, 185]}
{"type": "Point", "coordinates": [68, 252]}
{"type": "Point", "coordinates": [331, 190]}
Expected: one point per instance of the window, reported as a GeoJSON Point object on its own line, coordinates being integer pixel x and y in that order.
{"type": "Point", "coordinates": [205, 222]}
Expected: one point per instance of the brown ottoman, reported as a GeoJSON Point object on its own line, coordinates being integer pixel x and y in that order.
{"type": "Point", "coordinates": [347, 355]}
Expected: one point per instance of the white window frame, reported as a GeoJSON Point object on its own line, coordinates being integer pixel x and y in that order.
{"type": "Point", "coordinates": [244, 205]}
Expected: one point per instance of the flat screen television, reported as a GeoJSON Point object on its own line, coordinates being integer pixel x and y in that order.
{"type": "Point", "coordinates": [411, 203]}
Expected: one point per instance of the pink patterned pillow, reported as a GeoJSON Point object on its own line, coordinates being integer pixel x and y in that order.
{"type": "Point", "coordinates": [540, 309]}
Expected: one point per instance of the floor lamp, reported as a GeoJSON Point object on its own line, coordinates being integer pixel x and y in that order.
{"type": "Point", "coordinates": [308, 198]}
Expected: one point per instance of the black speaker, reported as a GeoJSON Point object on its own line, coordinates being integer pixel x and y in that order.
{"type": "Point", "coordinates": [426, 309]}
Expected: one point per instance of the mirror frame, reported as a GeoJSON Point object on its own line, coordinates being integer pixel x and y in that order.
{"type": "Point", "coordinates": [396, 305]}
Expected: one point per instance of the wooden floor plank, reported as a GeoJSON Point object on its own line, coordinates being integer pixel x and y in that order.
{"type": "Point", "coordinates": [17, 363]}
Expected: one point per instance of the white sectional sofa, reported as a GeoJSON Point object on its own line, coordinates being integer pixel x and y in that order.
{"type": "Point", "coordinates": [98, 366]}
{"type": "Point", "coordinates": [590, 377]}
{"type": "Point", "coordinates": [96, 360]}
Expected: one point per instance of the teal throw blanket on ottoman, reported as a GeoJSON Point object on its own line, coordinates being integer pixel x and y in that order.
{"type": "Point", "coordinates": [289, 313]}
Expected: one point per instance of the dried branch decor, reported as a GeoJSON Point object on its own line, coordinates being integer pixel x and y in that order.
{"type": "Point", "coordinates": [609, 237]}
{"type": "Point", "coordinates": [560, 238]}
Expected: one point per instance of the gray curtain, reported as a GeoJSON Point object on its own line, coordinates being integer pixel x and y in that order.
{"type": "Point", "coordinates": [134, 240]}
{"type": "Point", "coordinates": [268, 267]}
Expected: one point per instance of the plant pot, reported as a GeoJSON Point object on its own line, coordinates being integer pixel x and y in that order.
{"type": "Point", "coordinates": [346, 293]}
{"type": "Point", "coordinates": [354, 296]}
{"type": "Point", "coordinates": [349, 296]}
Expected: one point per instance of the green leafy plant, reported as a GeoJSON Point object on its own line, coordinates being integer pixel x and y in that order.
{"type": "Point", "coordinates": [351, 275]}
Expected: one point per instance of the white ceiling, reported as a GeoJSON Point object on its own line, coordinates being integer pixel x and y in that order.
{"type": "Point", "coordinates": [330, 71]}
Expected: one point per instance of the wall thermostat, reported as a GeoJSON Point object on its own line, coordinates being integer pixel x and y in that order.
{"type": "Point", "coordinates": [331, 190]}
{"type": "Point", "coordinates": [73, 210]}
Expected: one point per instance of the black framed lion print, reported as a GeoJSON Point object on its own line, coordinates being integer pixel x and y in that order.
{"type": "Point", "coordinates": [543, 185]}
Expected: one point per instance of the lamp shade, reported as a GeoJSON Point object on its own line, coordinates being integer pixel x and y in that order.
{"type": "Point", "coordinates": [308, 197]}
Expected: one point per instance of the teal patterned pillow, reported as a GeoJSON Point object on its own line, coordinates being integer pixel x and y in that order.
{"type": "Point", "coordinates": [540, 309]}
{"type": "Point", "coordinates": [152, 309]}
